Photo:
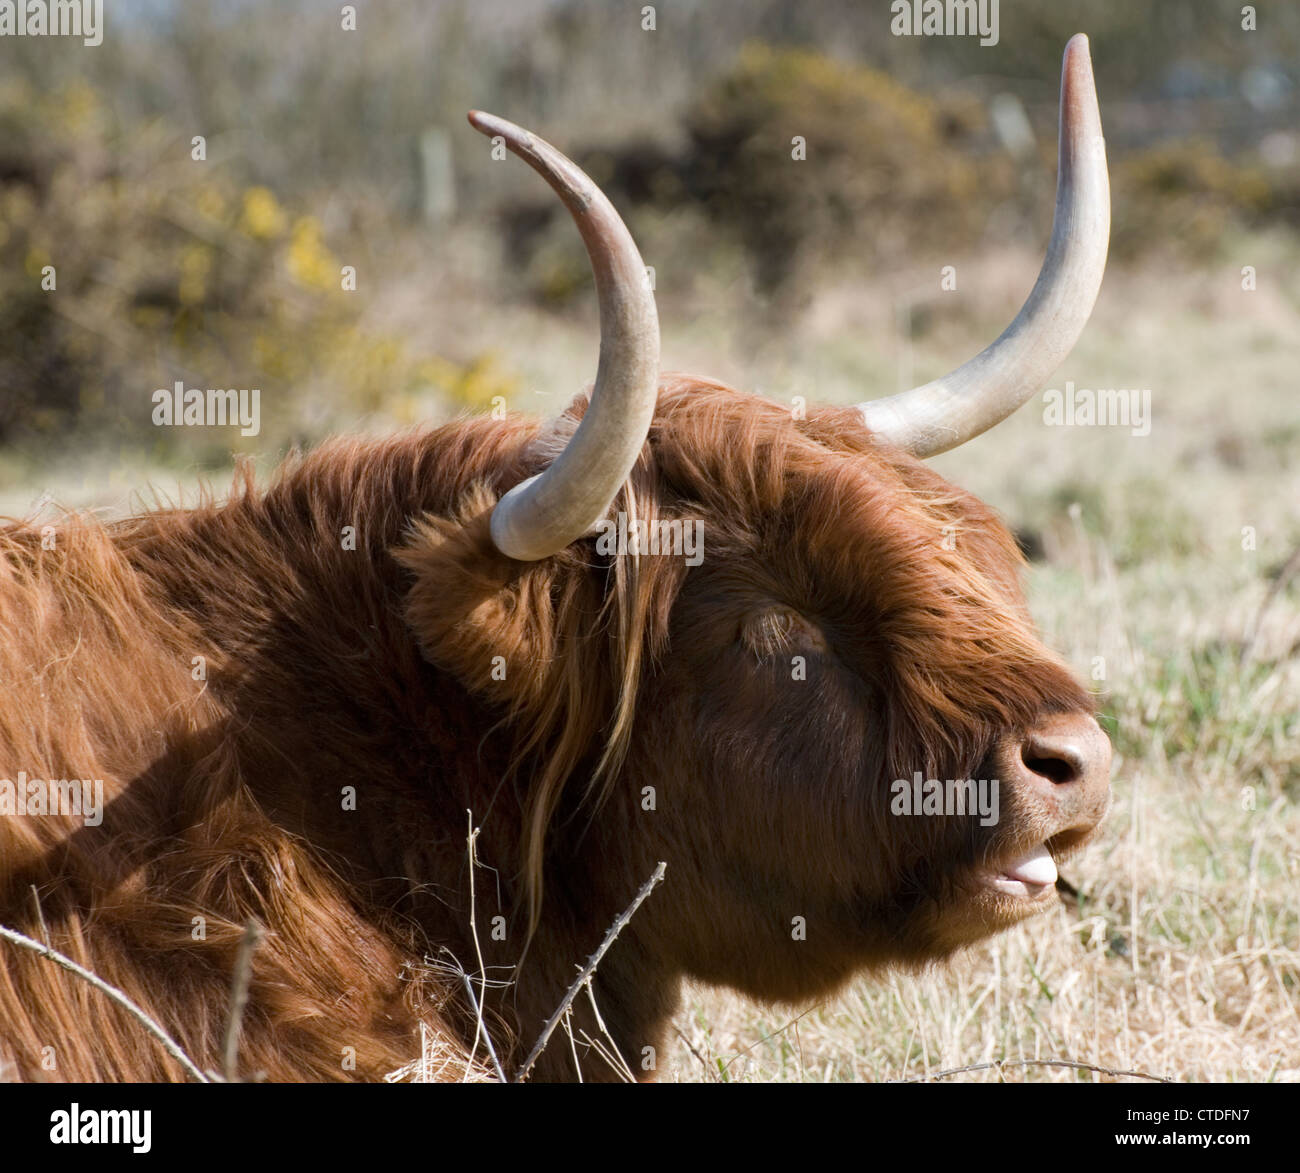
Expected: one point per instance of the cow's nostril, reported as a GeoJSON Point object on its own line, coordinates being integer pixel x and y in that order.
{"type": "Point", "coordinates": [1067, 756]}
{"type": "Point", "coordinates": [1059, 764]}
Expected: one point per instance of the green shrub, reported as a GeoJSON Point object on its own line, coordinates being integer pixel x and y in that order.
{"type": "Point", "coordinates": [1183, 196]}
{"type": "Point", "coordinates": [885, 167]}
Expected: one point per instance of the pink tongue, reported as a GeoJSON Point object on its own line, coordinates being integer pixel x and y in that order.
{"type": "Point", "coordinates": [1037, 867]}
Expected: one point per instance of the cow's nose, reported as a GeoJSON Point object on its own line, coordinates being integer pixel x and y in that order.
{"type": "Point", "coordinates": [1065, 761]}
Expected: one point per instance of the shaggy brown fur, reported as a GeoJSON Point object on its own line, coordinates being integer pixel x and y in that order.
{"type": "Point", "coordinates": [628, 683]}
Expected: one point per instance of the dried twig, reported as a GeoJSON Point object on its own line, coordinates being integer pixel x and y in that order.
{"type": "Point", "coordinates": [610, 1053]}
{"type": "Point", "coordinates": [587, 971]}
{"type": "Point", "coordinates": [480, 1027]}
{"type": "Point", "coordinates": [40, 915]}
{"type": "Point", "coordinates": [1000, 1064]}
{"type": "Point", "coordinates": [169, 1044]}
{"type": "Point", "coordinates": [709, 1071]}
{"type": "Point", "coordinates": [769, 1037]}
{"type": "Point", "coordinates": [253, 934]}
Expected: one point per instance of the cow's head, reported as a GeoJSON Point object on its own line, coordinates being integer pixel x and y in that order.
{"type": "Point", "coordinates": [790, 721]}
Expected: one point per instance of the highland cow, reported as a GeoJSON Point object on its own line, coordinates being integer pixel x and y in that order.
{"type": "Point", "coordinates": [292, 699]}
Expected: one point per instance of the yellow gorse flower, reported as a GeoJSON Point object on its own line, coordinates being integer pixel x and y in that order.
{"type": "Point", "coordinates": [310, 262]}
{"type": "Point", "coordinates": [262, 217]}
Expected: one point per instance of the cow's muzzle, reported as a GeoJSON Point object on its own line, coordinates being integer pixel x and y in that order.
{"type": "Point", "coordinates": [1059, 775]}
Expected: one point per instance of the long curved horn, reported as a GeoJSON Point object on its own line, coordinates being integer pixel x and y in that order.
{"type": "Point", "coordinates": [984, 391]}
{"type": "Point", "coordinates": [543, 514]}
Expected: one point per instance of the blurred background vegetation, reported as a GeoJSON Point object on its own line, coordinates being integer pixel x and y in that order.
{"type": "Point", "coordinates": [326, 148]}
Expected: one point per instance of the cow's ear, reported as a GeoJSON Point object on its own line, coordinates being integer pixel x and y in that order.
{"type": "Point", "coordinates": [475, 613]}
{"type": "Point", "coordinates": [779, 630]}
